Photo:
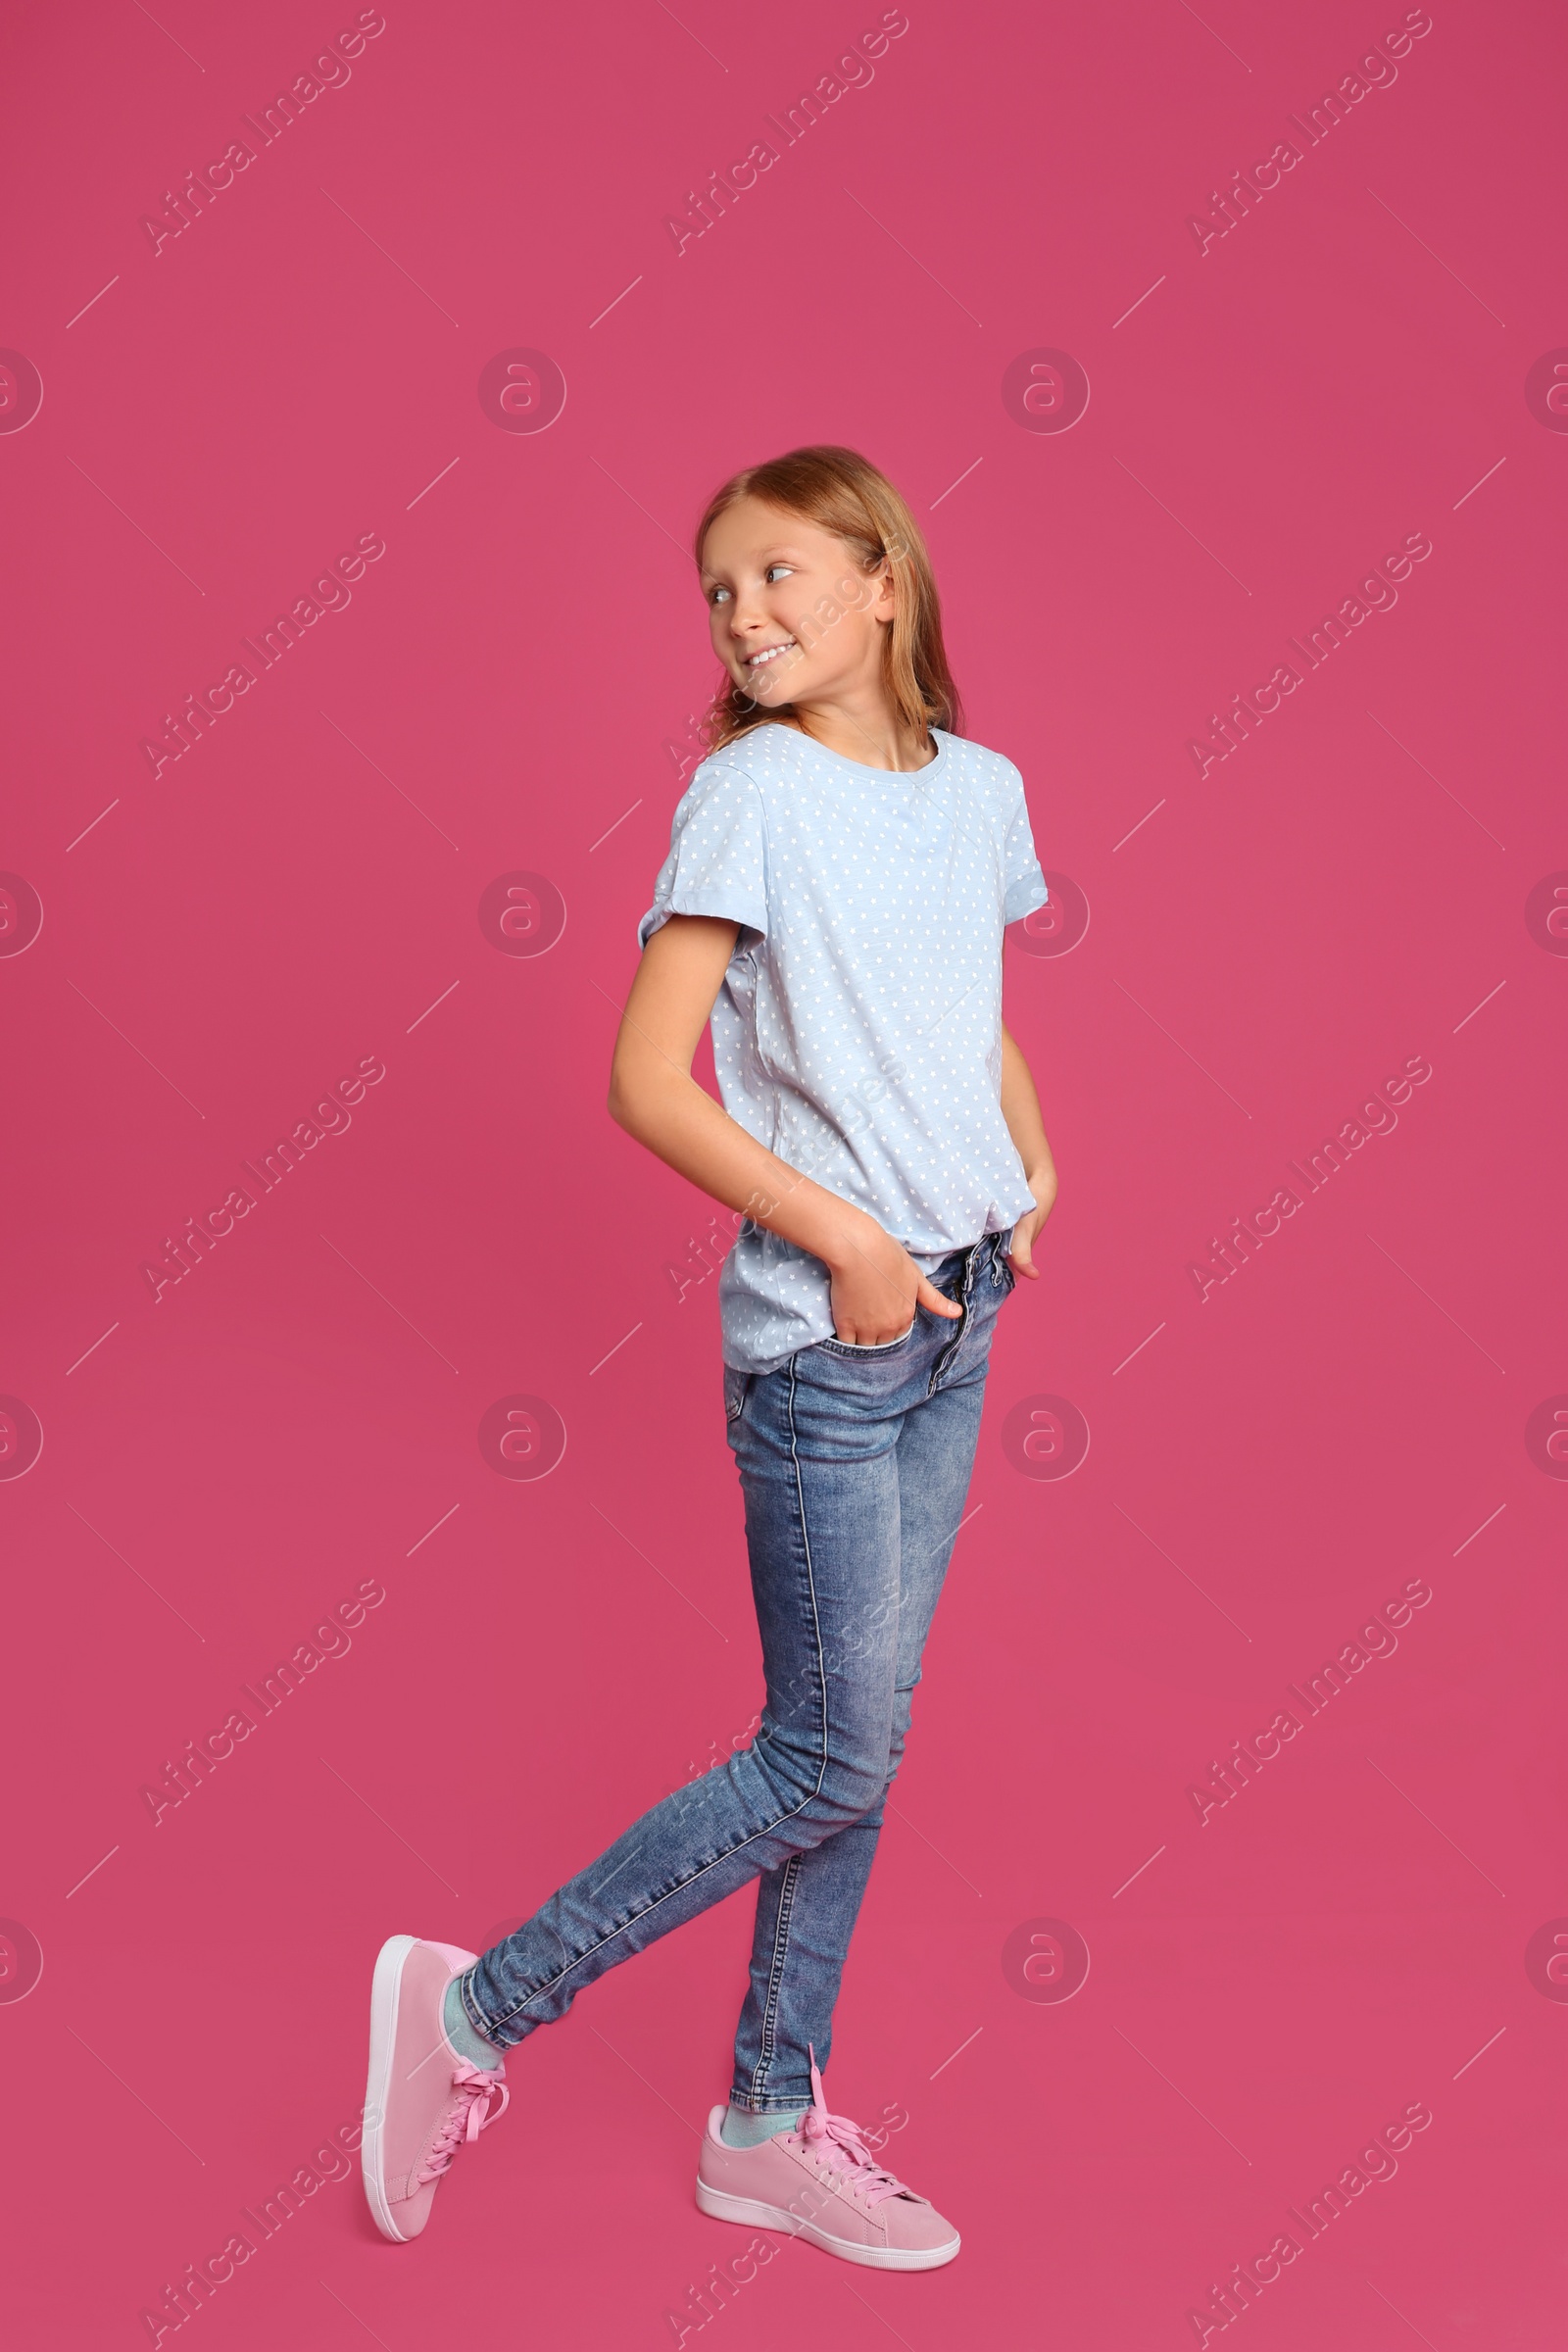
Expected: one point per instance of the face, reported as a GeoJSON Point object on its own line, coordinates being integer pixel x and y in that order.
{"type": "Point", "coordinates": [794, 618]}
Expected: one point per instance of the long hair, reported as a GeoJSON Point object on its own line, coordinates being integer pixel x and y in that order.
{"type": "Point", "coordinates": [844, 493]}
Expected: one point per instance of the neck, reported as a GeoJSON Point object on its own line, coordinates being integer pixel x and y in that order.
{"type": "Point", "coordinates": [867, 729]}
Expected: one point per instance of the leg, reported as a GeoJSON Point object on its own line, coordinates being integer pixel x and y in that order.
{"type": "Point", "coordinates": [806, 1909]}
{"type": "Point", "coordinates": [822, 1530]}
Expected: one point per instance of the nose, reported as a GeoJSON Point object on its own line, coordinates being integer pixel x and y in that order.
{"type": "Point", "coordinates": [748, 617]}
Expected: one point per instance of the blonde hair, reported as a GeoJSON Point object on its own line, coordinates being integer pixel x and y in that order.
{"type": "Point", "coordinates": [844, 493]}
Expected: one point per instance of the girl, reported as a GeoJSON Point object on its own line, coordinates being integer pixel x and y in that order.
{"type": "Point", "coordinates": [840, 873]}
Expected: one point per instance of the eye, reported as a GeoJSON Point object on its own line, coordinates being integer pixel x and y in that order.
{"type": "Point", "coordinates": [716, 594]}
{"type": "Point", "coordinates": [786, 568]}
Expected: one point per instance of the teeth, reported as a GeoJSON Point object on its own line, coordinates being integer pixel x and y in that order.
{"type": "Point", "coordinates": [772, 653]}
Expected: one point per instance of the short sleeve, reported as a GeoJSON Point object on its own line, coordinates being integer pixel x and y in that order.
{"type": "Point", "coordinates": [1024, 883]}
{"type": "Point", "coordinates": [717, 863]}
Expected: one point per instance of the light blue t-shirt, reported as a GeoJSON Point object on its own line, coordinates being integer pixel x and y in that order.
{"type": "Point", "coordinates": [858, 1030]}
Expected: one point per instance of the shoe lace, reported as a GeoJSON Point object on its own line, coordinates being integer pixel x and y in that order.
{"type": "Point", "coordinates": [842, 2145]}
{"type": "Point", "coordinates": [471, 2111]}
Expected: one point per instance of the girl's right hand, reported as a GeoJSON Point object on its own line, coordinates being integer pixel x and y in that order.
{"type": "Point", "coordinates": [878, 1287]}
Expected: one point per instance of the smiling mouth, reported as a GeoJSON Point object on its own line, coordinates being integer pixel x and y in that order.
{"type": "Point", "coordinates": [769, 654]}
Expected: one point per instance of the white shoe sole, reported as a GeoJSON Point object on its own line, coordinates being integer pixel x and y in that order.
{"type": "Point", "coordinates": [386, 1986]}
{"type": "Point", "coordinates": [754, 2215]}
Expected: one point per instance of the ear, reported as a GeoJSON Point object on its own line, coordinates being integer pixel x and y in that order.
{"type": "Point", "coordinates": [884, 602]}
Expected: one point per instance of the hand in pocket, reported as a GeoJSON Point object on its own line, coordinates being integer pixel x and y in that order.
{"type": "Point", "coordinates": [878, 1287]}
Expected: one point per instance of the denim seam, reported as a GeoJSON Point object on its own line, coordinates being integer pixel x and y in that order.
{"type": "Point", "coordinates": [781, 1942]}
{"type": "Point", "coordinates": [465, 1995]}
{"type": "Point", "coordinates": [549, 1985]}
{"type": "Point", "coordinates": [767, 1827]}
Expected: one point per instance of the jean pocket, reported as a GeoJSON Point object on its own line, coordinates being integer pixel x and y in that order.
{"type": "Point", "coordinates": [736, 1383]}
{"type": "Point", "coordinates": [874, 1347]}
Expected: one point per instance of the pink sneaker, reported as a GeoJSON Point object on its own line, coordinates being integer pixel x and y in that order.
{"type": "Point", "coordinates": [422, 2101]}
{"type": "Point", "coordinates": [822, 2182]}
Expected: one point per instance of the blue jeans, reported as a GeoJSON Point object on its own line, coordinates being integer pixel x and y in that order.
{"type": "Point", "coordinates": [853, 1463]}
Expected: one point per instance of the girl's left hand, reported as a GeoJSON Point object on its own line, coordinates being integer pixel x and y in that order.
{"type": "Point", "coordinates": [1042, 1183]}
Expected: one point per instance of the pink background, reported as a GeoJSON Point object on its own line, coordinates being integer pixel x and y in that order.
{"type": "Point", "coordinates": [510, 690]}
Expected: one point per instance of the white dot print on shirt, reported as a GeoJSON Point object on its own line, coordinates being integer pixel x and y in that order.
{"type": "Point", "coordinates": [871, 911]}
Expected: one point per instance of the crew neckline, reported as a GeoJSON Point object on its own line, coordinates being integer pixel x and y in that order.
{"type": "Point", "coordinates": [939, 737]}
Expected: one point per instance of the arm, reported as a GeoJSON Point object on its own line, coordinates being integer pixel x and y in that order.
{"type": "Point", "coordinates": [1020, 1107]}
{"type": "Point", "coordinates": [652, 1094]}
